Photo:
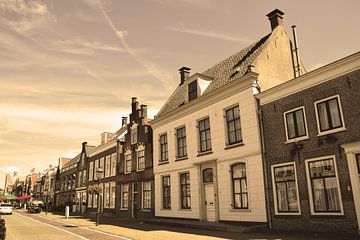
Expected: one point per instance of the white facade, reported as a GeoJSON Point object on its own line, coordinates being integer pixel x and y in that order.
{"type": "Point", "coordinates": [213, 201]}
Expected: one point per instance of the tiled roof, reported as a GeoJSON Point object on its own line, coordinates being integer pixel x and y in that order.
{"type": "Point", "coordinates": [222, 73]}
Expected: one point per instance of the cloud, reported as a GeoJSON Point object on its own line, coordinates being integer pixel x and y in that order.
{"type": "Point", "coordinates": [182, 29]}
{"type": "Point", "coordinates": [208, 4]}
{"type": "Point", "coordinates": [121, 34]}
{"type": "Point", "coordinates": [23, 16]}
{"type": "Point", "coordinates": [9, 169]}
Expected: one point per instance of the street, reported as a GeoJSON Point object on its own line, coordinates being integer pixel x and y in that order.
{"type": "Point", "coordinates": [32, 227]}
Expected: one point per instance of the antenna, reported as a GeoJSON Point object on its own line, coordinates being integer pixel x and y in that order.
{"type": "Point", "coordinates": [297, 67]}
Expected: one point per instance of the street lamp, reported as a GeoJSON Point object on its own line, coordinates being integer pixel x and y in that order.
{"type": "Point", "coordinates": [99, 174]}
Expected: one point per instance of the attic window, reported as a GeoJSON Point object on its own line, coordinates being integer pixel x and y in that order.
{"type": "Point", "coordinates": [192, 87]}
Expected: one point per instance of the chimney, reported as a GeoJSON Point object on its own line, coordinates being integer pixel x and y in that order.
{"type": "Point", "coordinates": [124, 121]}
{"type": "Point", "coordinates": [134, 108]}
{"type": "Point", "coordinates": [276, 18]}
{"type": "Point", "coordinates": [143, 110]}
{"type": "Point", "coordinates": [184, 74]}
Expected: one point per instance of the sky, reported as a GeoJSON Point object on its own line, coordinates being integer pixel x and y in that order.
{"type": "Point", "coordinates": [69, 68]}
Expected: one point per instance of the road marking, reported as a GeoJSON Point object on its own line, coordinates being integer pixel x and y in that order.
{"type": "Point", "coordinates": [81, 237]}
{"type": "Point", "coordinates": [86, 228]}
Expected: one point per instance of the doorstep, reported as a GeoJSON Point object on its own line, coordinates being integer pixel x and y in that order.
{"type": "Point", "coordinates": [215, 226]}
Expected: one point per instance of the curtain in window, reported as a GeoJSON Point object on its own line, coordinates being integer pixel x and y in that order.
{"type": "Point", "coordinates": [334, 111]}
{"type": "Point", "coordinates": [323, 119]}
{"type": "Point", "coordinates": [290, 125]}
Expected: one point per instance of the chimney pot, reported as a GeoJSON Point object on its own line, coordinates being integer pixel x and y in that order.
{"type": "Point", "coordinates": [133, 99]}
{"type": "Point", "coordinates": [276, 18]}
{"type": "Point", "coordinates": [184, 74]}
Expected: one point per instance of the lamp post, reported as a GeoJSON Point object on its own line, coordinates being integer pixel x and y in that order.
{"type": "Point", "coordinates": [99, 173]}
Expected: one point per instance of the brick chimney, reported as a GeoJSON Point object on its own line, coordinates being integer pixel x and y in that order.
{"type": "Point", "coordinates": [143, 110]}
{"type": "Point", "coordinates": [134, 108]}
{"type": "Point", "coordinates": [276, 18]}
{"type": "Point", "coordinates": [123, 121]}
{"type": "Point", "coordinates": [184, 74]}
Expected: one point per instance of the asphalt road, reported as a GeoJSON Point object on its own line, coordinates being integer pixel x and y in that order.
{"type": "Point", "coordinates": [32, 227]}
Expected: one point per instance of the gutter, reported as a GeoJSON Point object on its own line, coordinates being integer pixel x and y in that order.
{"type": "Point", "coordinates": [266, 184]}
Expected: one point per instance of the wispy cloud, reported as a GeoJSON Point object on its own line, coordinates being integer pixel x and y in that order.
{"type": "Point", "coordinates": [208, 4]}
{"type": "Point", "coordinates": [182, 29]}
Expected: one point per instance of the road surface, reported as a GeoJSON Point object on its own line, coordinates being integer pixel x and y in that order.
{"type": "Point", "coordinates": [34, 227]}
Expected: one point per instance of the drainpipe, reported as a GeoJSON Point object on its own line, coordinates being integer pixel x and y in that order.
{"type": "Point", "coordinates": [266, 183]}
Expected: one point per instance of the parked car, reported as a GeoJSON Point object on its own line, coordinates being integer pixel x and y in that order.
{"type": "Point", "coordinates": [2, 229]}
{"type": "Point", "coordinates": [34, 208]}
{"type": "Point", "coordinates": [6, 208]}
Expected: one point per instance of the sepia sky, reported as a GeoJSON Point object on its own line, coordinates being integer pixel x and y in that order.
{"type": "Point", "coordinates": [69, 68]}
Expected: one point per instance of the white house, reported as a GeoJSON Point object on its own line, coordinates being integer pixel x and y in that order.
{"type": "Point", "coordinates": [207, 144]}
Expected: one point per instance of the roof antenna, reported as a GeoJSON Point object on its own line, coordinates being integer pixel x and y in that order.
{"type": "Point", "coordinates": [297, 67]}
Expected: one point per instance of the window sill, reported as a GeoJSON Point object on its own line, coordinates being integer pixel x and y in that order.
{"type": "Point", "coordinates": [180, 159]}
{"type": "Point", "coordinates": [239, 210]}
{"type": "Point", "coordinates": [165, 209]}
{"type": "Point", "coordinates": [294, 140]}
{"type": "Point", "coordinates": [328, 214]}
{"type": "Point", "coordinates": [141, 170]}
{"type": "Point", "coordinates": [284, 214]}
{"type": "Point", "coordinates": [162, 163]}
{"type": "Point", "coordinates": [204, 153]}
{"type": "Point", "coordinates": [185, 209]}
{"type": "Point", "coordinates": [145, 210]}
{"type": "Point", "coordinates": [234, 145]}
{"type": "Point", "coordinates": [123, 209]}
{"type": "Point", "coordinates": [336, 130]}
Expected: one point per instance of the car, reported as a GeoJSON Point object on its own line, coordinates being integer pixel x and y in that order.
{"type": "Point", "coordinates": [6, 208]}
{"type": "Point", "coordinates": [34, 208]}
{"type": "Point", "coordinates": [2, 229]}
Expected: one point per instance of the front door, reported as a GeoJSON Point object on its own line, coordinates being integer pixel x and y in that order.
{"type": "Point", "coordinates": [135, 196]}
{"type": "Point", "coordinates": [210, 202]}
{"type": "Point", "coordinates": [209, 194]}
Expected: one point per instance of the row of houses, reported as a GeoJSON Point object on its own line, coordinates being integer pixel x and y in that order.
{"type": "Point", "coordinates": [255, 138]}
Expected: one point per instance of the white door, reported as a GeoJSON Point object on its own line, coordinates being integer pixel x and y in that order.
{"type": "Point", "coordinates": [210, 202]}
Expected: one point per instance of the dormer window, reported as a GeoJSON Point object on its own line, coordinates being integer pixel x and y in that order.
{"type": "Point", "coordinates": [192, 90]}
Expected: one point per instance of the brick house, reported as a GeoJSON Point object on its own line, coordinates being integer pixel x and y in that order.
{"type": "Point", "coordinates": [208, 161]}
{"type": "Point", "coordinates": [312, 145]}
{"type": "Point", "coordinates": [135, 177]}
{"type": "Point", "coordinates": [105, 158]}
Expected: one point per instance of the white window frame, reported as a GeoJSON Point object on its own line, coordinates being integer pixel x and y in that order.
{"type": "Point", "coordinates": [107, 165]}
{"type": "Point", "coordinates": [133, 133]}
{"type": "Point", "coordinates": [106, 198]}
{"type": "Point", "coordinates": [142, 196]}
{"type": "Point", "coordinates": [121, 196]}
{"type": "Point", "coordinates": [177, 145]}
{"type": "Point", "coordinates": [311, 202]}
{"type": "Point", "coordinates": [112, 195]}
{"type": "Point", "coordinates": [286, 129]}
{"type": "Point", "coordinates": [198, 135]}
{"type": "Point", "coordinates": [113, 164]}
{"type": "Point", "coordinates": [321, 133]}
{"type": "Point", "coordinates": [167, 148]}
{"type": "Point", "coordinates": [91, 171]}
{"type": "Point", "coordinates": [140, 148]}
{"type": "Point", "coordinates": [275, 190]}
{"type": "Point", "coordinates": [162, 191]}
{"type": "Point", "coordinates": [227, 143]}
{"type": "Point", "coordinates": [127, 153]}
{"type": "Point", "coordinates": [180, 195]}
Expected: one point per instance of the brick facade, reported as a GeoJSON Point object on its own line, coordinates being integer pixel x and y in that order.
{"type": "Point", "coordinates": [277, 151]}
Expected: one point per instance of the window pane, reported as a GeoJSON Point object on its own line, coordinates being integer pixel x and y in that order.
{"type": "Point", "coordinates": [237, 188]}
{"type": "Point", "coordinates": [300, 123]}
{"type": "Point", "coordinates": [290, 125]}
{"type": "Point", "coordinates": [282, 197]}
{"type": "Point", "coordinates": [323, 119]}
{"type": "Point", "coordinates": [292, 196]}
{"type": "Point", "coordinates": [237, 201]}
{"type": "Point", "coordinates": [332, 194]}
{"type": "Point", "coordinates": [208, 175]}
{"type": "Point", "coordinates": [319, 195]}
{"type": "Point", "coordinates": [334, 112]}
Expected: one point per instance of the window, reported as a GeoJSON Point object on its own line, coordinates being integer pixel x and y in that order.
{"type": "Point", "coordinates": [101, 165]}
{"type": "Point", "coordinates": [95, 200]}
{"type": "Point", "coordinates": [192, 90]}
{"type": "Point", "coordinates": [163, 148]}
{"type": "Point", "coordinates": [79, 178]}
{"type": "Point", "coordinates": [358, 162]}
{"type": "Point", "coordinates": [112, 194]}
{"type": "Point", "coordinates": [204, 135]}
{"type": "Point", "coordinates": [84, 177]}
{"type": "Point", "coordinates": [329, 114]}
{"type": "Point", "coordinates": [146, 195]}
{"type": "Point", "coordinates": [124, 196]}
{"type": "Point", "coordinates": [107, 165]}
{"type": "Point", "coordinates": [208, 176]}
{"type": "Point", "coordinates": [185, 191]}
{"type": "Point", "coordinates": [91, 171]}
{"type": "Point", "coordinates": [128, 163]}
{"type": "Point", "coordinates": [133, 136]}
{"type": "Point", "coordinates": [295, 123]}
{"type": "Point", "coordinates": [239, 184]}
{"type": "Point", "coordinates": [96, 167]}
{"type": "Point", "coordinates": [113, 165]}
{"type": "Point", "coordinates": [233, 125]}
{"type": "Point", "coordinates": [166, 196]}
{"type": "Point", "coordinates": [90, 200]}
{"type": "Point", "coordinates": [141, 160]}
{"type": "Point", "coordinates": [107, 196]}
{"type": "Point", "coordinates": [181, 142]}
{"type": "Point", "coordinates": [324, 186]}
{"type": "Point", "coordinates": [285, 189]}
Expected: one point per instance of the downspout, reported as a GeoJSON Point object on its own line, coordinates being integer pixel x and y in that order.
{"type": "Point", "coordinates": [266, 184]}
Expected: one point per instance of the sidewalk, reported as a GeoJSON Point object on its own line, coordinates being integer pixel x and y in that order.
{"type": "Point", "coordinates": [138, 230]}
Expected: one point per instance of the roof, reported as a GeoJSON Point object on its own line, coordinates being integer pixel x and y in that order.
{"type": "Point", "coordinates": [222, 73]}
